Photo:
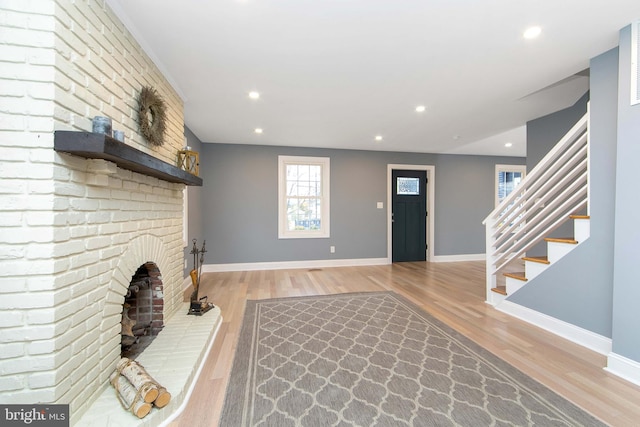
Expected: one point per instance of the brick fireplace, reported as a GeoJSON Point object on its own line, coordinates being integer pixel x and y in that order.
{"type": "Point", "coordinates": [74, 230]}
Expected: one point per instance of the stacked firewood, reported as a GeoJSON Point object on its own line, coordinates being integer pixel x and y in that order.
{"type": "Point", "coordinates": [136, 390]}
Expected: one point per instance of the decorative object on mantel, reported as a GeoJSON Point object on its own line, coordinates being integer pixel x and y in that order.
{"type": "Point", "coordinates": [119, 135]}
{"type": "Point", "coordinates": [152, 115]}
{"type": "Point", "coordinates": [198, 306]}
{"type": "Point", "coordinates": [136, 389]}
{"type": "Point", "coordinates": [189, 161]}
{"type": "Point", "coordinates": [101, 124]}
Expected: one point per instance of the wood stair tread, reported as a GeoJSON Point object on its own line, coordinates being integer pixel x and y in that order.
{"type": "Point", "coordinates": [516, 275]}
{"type": "Point", "coordinates": [502, 290]}
{"type": "Point", "coordinates": [569, 240]}
{"type": "Point", "coordinates": [579, 217]}
{"type": "Point", "coordinates": [538, 259]}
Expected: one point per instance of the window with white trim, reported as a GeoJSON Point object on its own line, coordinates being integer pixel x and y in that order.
{"type": "Point", "coordinates": [303, 197]}
{"type": "Point", "coordinates": [507, 179]}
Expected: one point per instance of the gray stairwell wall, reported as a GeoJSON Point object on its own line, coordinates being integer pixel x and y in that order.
{"type": "Point", "coordinates": [578, 289]}
{"type": "Point", "coordinates": [239, 203]}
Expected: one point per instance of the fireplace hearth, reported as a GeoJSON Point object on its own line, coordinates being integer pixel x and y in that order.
{"type": "Point", "coordinates": [188, 340]}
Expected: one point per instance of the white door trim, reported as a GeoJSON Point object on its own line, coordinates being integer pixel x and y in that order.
{"type": "Point", "coordinates": [431, 196]}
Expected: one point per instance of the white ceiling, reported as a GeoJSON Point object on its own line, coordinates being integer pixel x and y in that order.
{"type": "Point", "coordinates": [336, 73]}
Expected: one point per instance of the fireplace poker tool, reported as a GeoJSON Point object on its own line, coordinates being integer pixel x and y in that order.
{"type": "Point", "coordinates": [198, 306]}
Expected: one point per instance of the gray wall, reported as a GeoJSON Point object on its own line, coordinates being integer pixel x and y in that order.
{"type": "Point", "coordinates": [465, 195]}
{"type": "Point", "coordinates": [626, 291]}
{"type": "Point", "coordinates": [578, 290]}
{"type": "Point", "coordinates": [239, 203]}
{"type": "Point", "coordinates": [543, 133]}
{"type": "Point", "coordinates": [195, 225]}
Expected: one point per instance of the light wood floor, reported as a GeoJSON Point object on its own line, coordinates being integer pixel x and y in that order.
{"type": "Point", "coordinates": [452, 292]}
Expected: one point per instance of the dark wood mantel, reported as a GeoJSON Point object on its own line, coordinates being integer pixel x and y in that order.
{"type": "Point", "coordinates": [99, 146]}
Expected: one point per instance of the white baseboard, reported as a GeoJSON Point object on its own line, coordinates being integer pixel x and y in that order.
{"type": "Point", "coordinates": [283, 265]}
{"type": "Point", "coordinates": [186, 283]}
{"type": "Point", "coordinates": [573, 333]}
{"type": "Point", "coordinates": [323, 263]}
{"type": "Point", "coordinates": [458, 258]}
{"type": "Point", "coordinates": [624, 368]}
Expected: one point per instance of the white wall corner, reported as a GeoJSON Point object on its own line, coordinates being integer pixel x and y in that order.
{"type": "Point", "coordinates": [623, 367]}
{"type": "Point", "coordinates": [635, 63]}
{"type": "Point", "coordinates": [575, 334]}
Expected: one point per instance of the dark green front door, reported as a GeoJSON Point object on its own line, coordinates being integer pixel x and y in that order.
{"type": "Point", "coordinates": [409, 210]}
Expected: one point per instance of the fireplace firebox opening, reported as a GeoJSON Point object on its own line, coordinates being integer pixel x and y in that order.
{"type": "Point", "coordinates": [142, 310]}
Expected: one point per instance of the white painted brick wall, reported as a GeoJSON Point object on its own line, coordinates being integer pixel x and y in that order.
{"type": "Point", "coordinates": [72, 230]}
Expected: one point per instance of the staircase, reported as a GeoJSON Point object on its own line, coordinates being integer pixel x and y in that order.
{"type": "Point", "coordinates": [534, 266]}
{"type": "Point", "coordinates": [554, 192]}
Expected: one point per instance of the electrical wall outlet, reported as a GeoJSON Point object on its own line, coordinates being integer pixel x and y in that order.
{"type": "Point", "coordinates": [332, 249]}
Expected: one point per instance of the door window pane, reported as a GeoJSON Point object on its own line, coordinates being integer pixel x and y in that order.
{"type": "Point", "coordinates": [407, 186]}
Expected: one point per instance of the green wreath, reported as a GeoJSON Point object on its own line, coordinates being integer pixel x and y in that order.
{"type": "Point", "coordinates": [152, 115]}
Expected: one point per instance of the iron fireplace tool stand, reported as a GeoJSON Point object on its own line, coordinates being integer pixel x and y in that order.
{"type": "Point", "coordinates": [198, 306]}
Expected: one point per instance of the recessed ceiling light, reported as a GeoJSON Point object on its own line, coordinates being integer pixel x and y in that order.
{"type": "Point", "coordinates": [532, 32]}
{"type": "Point", "coordinates": [508, 145]}
{"type": "Point", "coordinates": [378, 137]}
{"type": "Point", "coordinates": [258, 130]}
{"type": "Point", "coordinates": [420, 108]}
{"type": "Point", "coordinates": [254, 95]}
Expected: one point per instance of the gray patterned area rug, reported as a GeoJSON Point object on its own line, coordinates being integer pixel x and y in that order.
{"type": "Point", "coordinates": [366, 359]}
